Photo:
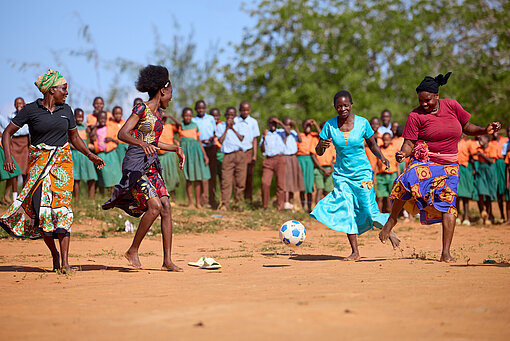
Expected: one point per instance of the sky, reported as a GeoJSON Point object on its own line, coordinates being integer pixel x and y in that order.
{"type": "Point", "coordinates": [41, 34]}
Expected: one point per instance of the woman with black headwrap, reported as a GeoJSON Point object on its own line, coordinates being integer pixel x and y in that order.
{"type": "Point", "coordinates": [429, 184]}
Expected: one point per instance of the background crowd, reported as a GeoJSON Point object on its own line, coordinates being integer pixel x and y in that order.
{"type": "Point", "coordinates": [222, 148]}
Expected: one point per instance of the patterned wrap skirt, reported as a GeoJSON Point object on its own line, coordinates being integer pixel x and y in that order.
{"type": "Point", "coordinates": [141, 180]}
{"type": "Point", "coordinates": [44, 204]}
{"type": "Point", "coordinates": [429, 189]}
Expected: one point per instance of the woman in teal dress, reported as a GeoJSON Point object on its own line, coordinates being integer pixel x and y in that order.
{"type": "Point", "coordinates": [351, 206]}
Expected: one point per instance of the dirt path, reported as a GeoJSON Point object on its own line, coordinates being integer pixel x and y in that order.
{"type": "Point", "coordinates": [262, 291]}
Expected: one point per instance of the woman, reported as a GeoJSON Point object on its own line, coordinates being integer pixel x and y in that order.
{"type": "Point", "coordinates": [429, 184]}
{"type": "Point", "coordinates": [43, 208]}
{"type": "Point", "coordinates": [351, 206]}
{"type": "Point", "coordinates": [142, 189]}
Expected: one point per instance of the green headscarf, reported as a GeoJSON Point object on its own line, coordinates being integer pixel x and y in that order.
{"type": "Point", "coordinates": [46, 81]}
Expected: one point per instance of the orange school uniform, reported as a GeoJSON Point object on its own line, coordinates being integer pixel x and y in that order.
{"type": "Point", "coordinates": [329, 156]}
{"type": "Point", "coordinates": [92, 120]}
{"type": "Point", "coordinates": [388, 153]}
{"type": "Point", "coordinates": [491, 151]}
{"type": "Point", "coordinates": [167, 136]}
{"type": "Point", "coordinates": [498, 146]}
{"type": "Point", "coordinates": [308, 143]}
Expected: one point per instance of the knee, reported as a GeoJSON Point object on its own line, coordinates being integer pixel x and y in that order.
{"type": "Point", "coordinates": [166, 210]}
{"type": "Point", "coordinates": [155, 207]}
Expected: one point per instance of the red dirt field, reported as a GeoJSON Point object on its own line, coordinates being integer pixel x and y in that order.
{"type": "Point", "coordinates": [262, 292]}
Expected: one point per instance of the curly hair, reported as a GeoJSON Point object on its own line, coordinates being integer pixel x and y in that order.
{"type": "Point", "coordinates": [152, 78]}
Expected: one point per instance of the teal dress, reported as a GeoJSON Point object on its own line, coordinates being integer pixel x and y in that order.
{"type": "Point", "coordinates": [83, 168]}
{"type": "Point", "coordinates": [351, 207]}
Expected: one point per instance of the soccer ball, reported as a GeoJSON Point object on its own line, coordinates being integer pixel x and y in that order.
{"type": "Point", "coordinates": [292, 233]}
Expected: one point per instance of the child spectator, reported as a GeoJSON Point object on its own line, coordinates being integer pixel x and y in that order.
{"type": "Point", "coordinates": [497, 142]}
{"type": "Point", "coordinates": [465, 188]}
{"type": "Point", "coordinates": [304, 154]}
{"type": "Point", "coordinates": [249, 145]}
{"type": "Point", "coordinates": [114, 125]}
{"type": "Point", "coordinates": [323, 172]}
{"type": "Point", "coordinates": [485, 178]}
{"type": "Point", "coordinates": [293, 173]}
{"type": "Point", "coordinates": [105, 143]}
{"type": "Point", "coordinates": [195, 165]}
{"type": "Point", "coordinates": [206, 125]}
{"type": "Point", "coordinates": [272, 146]}
{"type": "Point", "coordinates": [233, 173]}
{"type": "Point", "coordinates": [83, 168]}
{"type": "Point", "coordinates": [386, 177]}
{"type": "Point", "coordinates": [169, 163]}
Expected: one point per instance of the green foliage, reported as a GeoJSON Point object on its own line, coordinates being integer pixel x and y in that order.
{"type": "Point", "coordinates": [301, 52]}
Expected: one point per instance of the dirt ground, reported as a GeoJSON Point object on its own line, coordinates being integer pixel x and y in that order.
{"type": "Point", "coordinates": [263, 291]}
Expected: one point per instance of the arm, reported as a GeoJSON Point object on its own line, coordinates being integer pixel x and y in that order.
{"type": "Point", "coordinates": [488, 159]}
{"type": "Point", "coordinates": [254, 156]}
{"type": "Point", "coordinates": [377, 151]}
{"type": "Point", "coordinates": [206, 159]}
{"type": "Point", "coordinates": [177, 123]}
{"type": "Point", "coordinates": [173, 148]}
{"type": "Point", "coordinates": [316, 126]}
{"type": "Point", "coordinates": [125, 136]}
{"type": "Point", "coordinates": [6, 143]}
{"type": "Point", "coordinates": [322, 146]}
{"type": "Point", "coordinates": [239, 136]}
{"type": "Point", "coordinates": [287, 129]}
{"type": "Point", "coordinates": [474, 130]}
{"type": "Point", "coordinates": [263, 142]}
{"type": "Point", "coordinates": [293, 123]}
{"type": "Point", "coordinates": [80, 146]}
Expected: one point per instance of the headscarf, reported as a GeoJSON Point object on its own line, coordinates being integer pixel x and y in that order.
{"type": "Point", "coordinates": [432, 85]}
{"type": "Point", "coordinates": [46, 81]}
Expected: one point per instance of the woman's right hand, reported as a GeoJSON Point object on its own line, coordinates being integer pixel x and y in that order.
{"type": "Point", "coordinates": [149, 149]}
{"type": "Point", "coordinates": [400, 156]}
{"type": "Point", "coordinates": [325, 143]}
{"type": "Point", "coordinates": [9, 165]}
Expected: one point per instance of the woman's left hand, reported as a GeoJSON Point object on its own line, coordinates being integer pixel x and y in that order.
{"type": "Point", "coordinates": [182, 158]}
{"type": "Point", "coordinates": [97, 160]}
{"type": "Point", "coordinates": [493, 127]}
{"type": "Point", "coordinates": [385, 162]}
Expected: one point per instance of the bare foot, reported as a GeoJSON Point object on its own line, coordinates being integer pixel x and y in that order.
{"type": "Point", "coordinates": [395, 241]}
{"type": "Point", "coordinates": [447, 258]}
{"type": "Point", "coordinates": [133, 259]}
{"type": "Point", "coordinates": [386, 230]}
{"type": "Point", "coordinates": [353, 256]}
{"type": "Point", "coordinates": [56, 261]}
{"type": "Point", "coordinates": [170, 266]}
{"type": "Point", "coordinates": [67, 270]}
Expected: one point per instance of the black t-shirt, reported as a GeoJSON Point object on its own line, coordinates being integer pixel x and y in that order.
{"type": "Point", "coordinates": [46, 127]}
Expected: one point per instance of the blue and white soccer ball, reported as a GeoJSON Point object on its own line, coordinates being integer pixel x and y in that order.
{"type": "Point", "coordinates": [292, 233]}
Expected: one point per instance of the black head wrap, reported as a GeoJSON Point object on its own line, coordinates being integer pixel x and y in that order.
{"type": "Point", "coordinates": [432, 85]}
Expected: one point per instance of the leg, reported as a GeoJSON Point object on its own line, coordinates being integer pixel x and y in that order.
{"type": "Point", "coordinates": [189, 192]}
{"type": "Point", "coordinates": [240, 169]}
{"type": "Point", "coordinates": [211, 154]}
{"type": "Point", "coordinates": [392, 220]}
{"type": "Point", "coordinates": [92, 189]}
{"type": "Point", "coordinates": [267, 177]}
{"type": "Point", "coordinates": [76, 190]}
{"type": "Point", "coordinates": [50, 243]}
{"type": "Point", "coordinates": [309, 201]}
{"type": "Point", "coordinates": [154, 209]}
{"type": "Point", "coordinates": [353, 240]}
{"type": "Point", "coordinates": [8, 190]}
{"type": "Point", "coordinates": [248, 188]}
{"type": "Point", "coordinates": [380, 203]}
{"type": "Point", "coordinates": [166, 232]}
{"type": "Point", "coordinates": [318, 195]}
{"type": "Point", "coordinates": [64, 251]}
{"type": "Point", "coordinates": [198, 195]}
{"type": "Point", "coordinates": [448, 229]}
{"type": "Point", "coordinates": [280, 182]}
{"type": "Point", "coordinates": [488, 207]}
{"type": "Point", "coordinates": [465, 205]}
{"type": "Point", "coordinates": [227, 179]}
{"type": "Point", "coordinates": [204, 198]}
{"type": "Point", "coordinates": [508, 211]}
{"type": "Point", "coordinates": [501, 206]}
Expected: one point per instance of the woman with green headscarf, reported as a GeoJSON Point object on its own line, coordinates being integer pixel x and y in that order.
{"type": "Point", "coordinates": [43, 208]}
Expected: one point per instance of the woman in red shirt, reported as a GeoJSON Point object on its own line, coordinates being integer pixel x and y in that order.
{"type": "Point", "coordinates": [429, 184]}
